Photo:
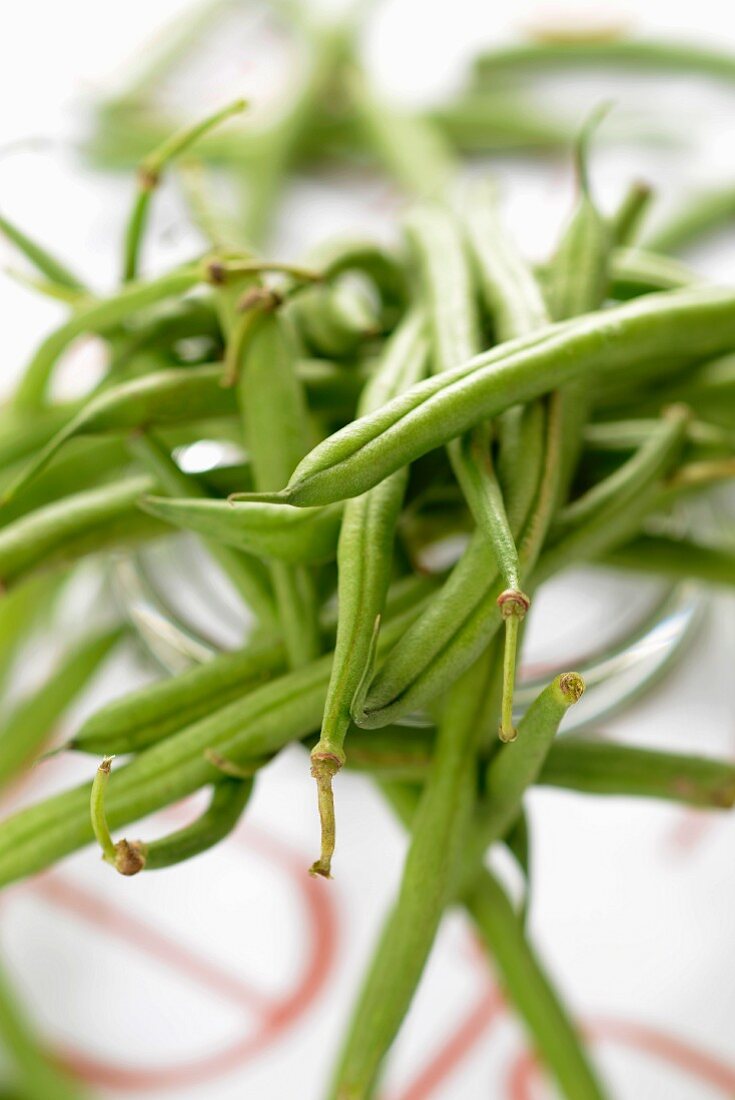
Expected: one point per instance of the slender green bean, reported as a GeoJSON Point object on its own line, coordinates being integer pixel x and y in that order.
{"type": "Point", "coordinates": [294, 535]}
{"type": "Point", "coordinates": [57, 273]}
{"type": "Point", "coordinates": [676, 558]}
{"type": "Point", "coordinates": [365, 560]}
{"type": "Point", "coordinates": [161, 399]}
{"type": "Point", "coordinates": [264, 721]}
{"type": "Point", "coordinates": [30, 724]}
{"type": "Point", "coordinates": [626, 222]}
{"type": "Point", "coordinates": [273, 410]}
{"type": "Point", "coordinates": [694, 221]}
{"type": "Point", "coordinates": [696, 322]}
{"type": "Point", "coordinates": [99, 317]}
{"type": "Point", "coordinates": [78, 525]}
{"type": "Point", "coordinates": [149, 176]}
{"type": "Point", "coordinates": [438, 834]}
{"type": "Point", "coordinates": [245, 573]}
{"type": "Point", "coordinates": [129, 857]}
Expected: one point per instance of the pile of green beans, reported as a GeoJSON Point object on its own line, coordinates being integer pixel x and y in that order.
{"type": "Point", "coordinates": [384, 402]}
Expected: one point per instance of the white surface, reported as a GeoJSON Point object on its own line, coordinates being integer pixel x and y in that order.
{"type": "Point", "coordinates": [632, 901]}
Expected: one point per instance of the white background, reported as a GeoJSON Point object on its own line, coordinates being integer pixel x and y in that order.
{"type": "Point", "coordinates": [633, 902]}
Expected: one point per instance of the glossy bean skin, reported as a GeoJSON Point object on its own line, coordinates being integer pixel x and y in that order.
{"type": "Point", "coordinates": [694, 322]}
{"type": "Point", "coordinates": [365, 565]}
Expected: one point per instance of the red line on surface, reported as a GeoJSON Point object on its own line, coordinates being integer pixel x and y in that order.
{"type": "Point", "coordinates": [488, 1008]}
{"type": "Point", "coordinates": [276, 1016]}
{"type": "Point", "coordinates": [668, 1048]}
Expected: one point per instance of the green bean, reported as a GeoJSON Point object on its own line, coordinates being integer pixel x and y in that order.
{"type": "Point", "coordinates": [37, 1075]}
{"type": "Point", "coordinates": [574, 763]}
{"type": "Point", "coordinates": [625, 53]}
{"type": "Point", "coordinates": [365, 558]}
{"type": "Point", "coordinates": [463, 618]}
{"type": "Point", "coordinates": [261, 723]}
{"type": "Point", "coordinates": [577, 283]}
{"type": "Point", "coordinates": [604, 768]}
{"type": "Point", "coordinates": [21, 611]}
{"type": "Point", "coordinates": [276, 428]}
{"type": "Point", "coordinates": [334, 321]}
{"type": "Point", "coordinates": [509, 289]}
{"type": "Point", "coordinates": [694, 220]}
{"type": "Point", "coordinates": [245, 573]}
{"type": "Point", "coordinates": [74, 527]}
{"type": "Point", "coordinates": [455, 324]}
{"type": "Point", "coordinates": [57, 273]}
{"type": "Point", "coordinates": [626, 222]}
{"type": "Point", "coordinates": [149, 176]}
{"type": "Point", "coordinates": [411, 149]}
{"type": "Point", "coordinates": [156, 710]}
{"type": "Point", "coordinates": [294, 535]}
{"type": "Point", "coordinates": [26, 727]}
{"type": "Point", "coordinates": [516, 767]}
{"type": "Point", "coordinates": [652, 459]}
{"type": "Point", "coordinates": [696, 322]}
{"type": "Point", "coordinates": [608, 515]}
{"type": "Point", "coordinates": [482, 121]}
{"type": "Point", "coordinates": [635, 271]}
{"type": "Point", "coordinates": [229, 799]}
{"type": "Point", "coordinates": [676, 558]}
{"type": "Point", "coordinates": [153, 712]}
{"type": "Point", "coordinates": [522, 976]}
{"type": "Point", "coordinates": [438, 834]}
{"type": "Point", "coordinates": [164, 398]}
{"type": "Point", "coordinates": [99, 317]}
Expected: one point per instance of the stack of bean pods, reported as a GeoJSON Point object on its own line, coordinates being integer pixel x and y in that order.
{"type": "Point", "coordinates": [382, 400]}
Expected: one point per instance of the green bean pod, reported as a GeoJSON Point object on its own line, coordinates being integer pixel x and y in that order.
{"type": "Point", "coordinates": [365, 563]}
{"type": "Point", "coordinates": [57, 273]}
{"type": "Point", "coordinates": [439, 831]}
{"type": "Point", "coordinates": [699, 322]}
{"type": "Point", "coordinates": [411, 149]}
{"type": "Point", "coordinates": [625, 225]}
{"type": "Point", "coordinates": [299, 536]}
{"type": "Point", "coordinates": [635, 271]}
{"type": "Point", "coordinates": [246, 573]}
{"type": "Point", "coordinates": [610, 512]}
{"type": "Point", "coordinates": [261, 723]}
{"type": "Point", "coordinates": [165, 398]}
{"type": "Point", "coordinates": [149, 176]}
{"type": "Point", "coordinates": [29, 725]}
{"type": "Point", "coordinates": [694, 221]}
{"type": "Point", "coordinates": [522, 977]}
{"type": "Point", "coordinates": [274, 415]}
{"type": "Point", "coordinates": [679, 559]}
{"type": "Point", "coordinates": [626, 53]}
{"type": "Point", "coordinates": [98, 318]}
{"type": "Point", "coordinates": [228, 801]}
{"type": "Point", "coordinates": [157, 710]}
{"type": "Point", "coordinates": [84, 523]}
{"type": "Point", "coordinates": [455, 323]}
